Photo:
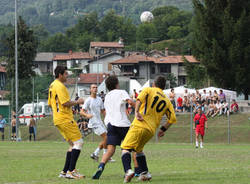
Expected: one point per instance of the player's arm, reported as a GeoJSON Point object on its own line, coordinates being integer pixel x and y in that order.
{"type": "Point", "coordinates": [137, 113]}
{"type": "Point", "coordinates": [103, 112]}
{"type": "Point", "coordinates": [84, 113]}
{"type": "Point", "coordinates": [73, 103]}
{"type": "Point", "coordinates": [131, 102]}
{"type": "Point", "coordinates": [171, 120]}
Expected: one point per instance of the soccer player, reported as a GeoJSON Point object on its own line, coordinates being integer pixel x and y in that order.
{"type": "Point", "coordinates": [13, 125]}
{"type": "Point", "coordinates": [151, 105]}
{"type": "Point", "coordinates": [32, 128]}
{"type": "Point", "coordinates": [92, 109]}
{"type": "Point", "coordinates": [200, 120]}
{"type": "Point", "coordinates": [116, 119]}
{"type": "Point", "coordinates": [59, 100]}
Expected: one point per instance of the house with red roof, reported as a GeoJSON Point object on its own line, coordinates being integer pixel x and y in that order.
{"type": "Point", "coordinates": [144, 68]}
{"type": "Point", "coordinates": [73, 60]}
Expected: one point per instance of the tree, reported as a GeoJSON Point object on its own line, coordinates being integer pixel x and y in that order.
{"type": "Point", "coordinates": [221, 42]}
{"type": "Point", "coordinates": [146, 33]}
{"type": "Point", "coordinates": [57, 43]}
{"type": "Point", "coordinates": [27, 46]}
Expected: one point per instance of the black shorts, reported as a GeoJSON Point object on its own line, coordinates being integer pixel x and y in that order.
{"type": "Point", "coordinates": [116, 134]}
{"type": "Point", "coordinates": [2, 130]}
{"type": "Point", "coordinates": [14, 129]}
{"type": "Point", "coordinates": [31, 130]}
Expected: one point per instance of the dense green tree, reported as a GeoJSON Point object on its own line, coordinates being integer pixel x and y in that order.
{"type": "Point", "coordinates": [57, 43]}
{"type": "Point", "coordinates": [27, 46]}
{"type": "Point", "coordinates": [221, 42]}
{"type": "Point", "coordinates": [4, 33]}
{"type": "Point", "coordinates": [146, 33]}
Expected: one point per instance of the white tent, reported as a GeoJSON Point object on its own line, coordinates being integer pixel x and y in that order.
{"type": "Point", "coordinates": [134, 84]}
{"type": "Point", "coordinates": [147, 84]}
{"type": "Point", "coordinates": [229, 94]}
{"type": "Point", "coordinates": [179, 91]}
{"type": "Point", "coordinates": [102, 87]}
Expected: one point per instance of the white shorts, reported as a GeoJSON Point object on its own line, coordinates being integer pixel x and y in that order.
{"type": "Point", "coordinates": [99, 129]}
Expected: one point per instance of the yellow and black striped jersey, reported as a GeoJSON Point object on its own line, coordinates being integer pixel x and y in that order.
{"type": "Point", "coordinates": [58, 95]}
{"type": "Point", "coordinates": [154, 104]}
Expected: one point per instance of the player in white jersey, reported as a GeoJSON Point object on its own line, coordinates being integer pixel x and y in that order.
{"type": "Point", "coordinates": [116, 119]}
{"type": "Point", "coordinates": [92, 109]}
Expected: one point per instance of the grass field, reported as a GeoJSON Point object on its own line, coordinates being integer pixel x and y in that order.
{"type": "Point", "coordinates": [41, 161]}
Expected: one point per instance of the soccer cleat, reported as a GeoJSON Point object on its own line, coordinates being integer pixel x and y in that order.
{"type": "Point", "coordinates": [74, 175]}
{"type": "Point", "coordinates": [111, 160]}
{"type": "Point", "coordinates": [98, 174]}
{"type": "Point", "coordinates": [196, 146]}
{"type": "Point", "coordinates": [145, 176]}
{"type": "Point", "coordinates": [94, 157]}
{"type": "Point", "coordinates": [128, 176]}
{"type": "Point", "coordinates": [137, 175]}
{"type": "Point", "coordinates": [201, 146]}
{"type": "Point", "coordinates": [62, 175]}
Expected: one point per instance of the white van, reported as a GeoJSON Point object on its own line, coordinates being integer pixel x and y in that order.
{"type": "Point", "coordinates": [40, 110]}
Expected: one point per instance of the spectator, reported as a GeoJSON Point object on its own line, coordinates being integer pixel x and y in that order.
{"type": "Point", "coordinates": [204, 95]}
{"type": "Point", "coordinates": [13, 125]}
{"type": "Point", "coordinates": [222, 96]}
{"type": "Point", "coordinates": [216, 96]}
{"type": "Point", "coordinates": [32, 128]}
{"type": "Point", "coordinates": [209, 97]}
{"type": "Point", "coordinates": [2, 125]}
{"type": "Point", "coordinates": [211, 109]}
{"type": "Point", "coordinates": [102, 96]}
{"type": "Point", "coordinates": [172, 97]}
{"type": "Point", "coordinates": [179, 104]}
{"type": "Point", "coordinates": [77, 106]}
{"type": "Point", "coordinates": [135, 95]}
{"type": "Point", "coordinates": [186, 94]}
{"type": "Point", "coordinates": [218, 106]}
{"type": "Point", "coordinates": [224, 108]}
{"type": "Point", "coordinates": [186, 104]}
{"type": "Point", "coordinates": [234, 107]}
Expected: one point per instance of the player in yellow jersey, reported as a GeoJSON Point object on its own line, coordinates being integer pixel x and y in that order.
{"type": "Point", "coordinates": [59, 100]}
{"type": "Point", "coordinates": [151, 105]}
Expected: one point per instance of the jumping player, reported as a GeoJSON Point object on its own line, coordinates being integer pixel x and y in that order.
{"type": "Point", "coordinates": [59, 100]}
{"type": "Point", "coordinates": [92, 109]}
{"type": "Point", "coordinates": [200, 120]}
{"type": "Point", "coordinates": [151, 105]}
{"type": "Point", "coordinates": [116, 119]}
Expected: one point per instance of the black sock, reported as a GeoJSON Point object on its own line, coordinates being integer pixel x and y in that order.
{"type": "Point", "coordinates": [126, 161]}
{"type": "Point", "coordinates": [137, 170]}
{"type": "Point", "coordinates": [67, 162]}
{"type": "Point", "coordinates": [34, 137]}
{"type": "Point", "coordinates": [74, 157]}
{"type": "Point", "coordinates": [2, 137]}
{"type": "Point", "coordinates": [30, 137]}
{"type": "Point", "coordinates": [141, 159]}
{"type": "Point", "coordinates": [101, 165]}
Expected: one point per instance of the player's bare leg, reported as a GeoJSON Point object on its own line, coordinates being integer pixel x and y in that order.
{"type": "Point", "coordinates": [201, 142]}
{"type": "Point", "coordinates": [196, 140]}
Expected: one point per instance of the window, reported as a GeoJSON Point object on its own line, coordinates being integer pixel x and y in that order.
{"type": "Point", "coordinates": [152, 70]}
{"type": "Point", "coordinates": [165, 68]}
{"type": "Point", "coordinates": [97, 69]}
{"type": "Point", "coordinates": [38, 109]}
{"type": "Point", "coordinates": [128, 68]}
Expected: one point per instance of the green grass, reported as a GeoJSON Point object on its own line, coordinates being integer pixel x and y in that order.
{"type": "Point", "coordinates": [41, 162]}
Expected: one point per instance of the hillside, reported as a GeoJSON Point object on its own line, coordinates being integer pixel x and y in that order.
{"type": "Point", "coordinates": [57, 15]}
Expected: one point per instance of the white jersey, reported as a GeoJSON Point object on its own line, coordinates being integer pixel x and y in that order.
{"type": "Point", "coordinates": [94, 106]}
{"type": "Point", "coordinates": [115, 106]}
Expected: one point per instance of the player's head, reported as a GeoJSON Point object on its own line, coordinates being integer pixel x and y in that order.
{"type": "Point", "coordinates": [112, 82]}
{"type": "Point", "coordinates": [32, 115]}
{"type": "Point", "coordinates": [160, 82]}
{"type": "Point", "coordinates": [199, 110]}
{"type": "Point", "coordinates": [93, 89]}
{"type": "Point", "coordinates": [61, 73]}
{"type": "Point", "coordinates": [14, 116]}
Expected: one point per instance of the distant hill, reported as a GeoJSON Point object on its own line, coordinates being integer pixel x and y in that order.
{"type": "Point", "coordinates": [58, 15]}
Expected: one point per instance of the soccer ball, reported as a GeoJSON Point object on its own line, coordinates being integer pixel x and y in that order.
{"type": "Point", "coordinates": [146, 16]}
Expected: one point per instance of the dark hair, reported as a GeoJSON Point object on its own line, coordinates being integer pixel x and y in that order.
{"type": "Point", "coordinates": [111, 82]}
{"type": "Point", "coordinates": [14, 116]}
{"type": "Point", "coordinates": [59, 70]}
{"type": "Point", "coordinates": [32, 115]}
{"type": "Point", "coordinates": [160, 82]}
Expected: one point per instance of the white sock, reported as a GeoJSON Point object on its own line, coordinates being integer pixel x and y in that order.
{"type": "Point", "coordinates": [104, 151]}
{"type": "Point", "coordinates": [97, 151]}
{"type": "Point", "coordinates": [197, 143]}
{"type": "Point", "coordinates": [201, 144]}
